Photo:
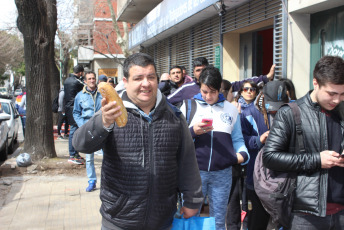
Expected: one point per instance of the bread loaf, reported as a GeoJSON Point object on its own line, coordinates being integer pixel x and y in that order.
{"type": "Point", "coordinates": [109, 93]}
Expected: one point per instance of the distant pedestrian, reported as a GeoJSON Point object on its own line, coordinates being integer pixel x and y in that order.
{"type": "Point", "coordinates": [22, 110]}
{"type": "Point", "coordinates": [87, 103]}
{"type": "Point", "coordinates": [62, 118]}
{"type": "Point", "coordinates": [72, 86]}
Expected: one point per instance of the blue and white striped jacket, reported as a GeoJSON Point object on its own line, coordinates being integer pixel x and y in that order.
{"type": "Point", "coordinates": [216, 150]}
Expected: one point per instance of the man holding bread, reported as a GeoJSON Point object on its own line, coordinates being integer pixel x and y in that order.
{"type": "Point", "coordinates": [147, 160]}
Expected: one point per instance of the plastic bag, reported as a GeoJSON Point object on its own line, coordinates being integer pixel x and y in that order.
{"type": "Point", "coordinates": [194, 223]}
{"type": "Point", "coordinates": [23, 160]}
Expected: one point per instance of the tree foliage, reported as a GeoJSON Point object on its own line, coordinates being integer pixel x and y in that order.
{"type": "Point", "coordinates": [11, 50]}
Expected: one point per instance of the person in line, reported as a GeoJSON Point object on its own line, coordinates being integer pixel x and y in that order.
{"type": "Point", "coordinates": [291, 89]}
{"type": "Point", "coordinates": [102, 78]}
{"type": "Point", "coordinates": [111, 81]}
{"type": "Point", "coordinates": [256, 121]}
{"type": "Point", "coordinates": [146, 161]}
{"type": "Point", "coordinates": [187, 91]}
{"type": "Point", "coordinates": [247, 95]}
{"type": "Point", "coordinates": [187, 78]}
{"type": "Point", "coordinates": [86, 103]}
{"type": "Point", "coordinates": [62, 118]}
{"type": "Point", "coordinates": [176, 80]}
{"type": "Point", "coordinates": [227, 90]}
{"type": "Point", "coordinates": [219, 145]}
{"type": "Point", "coordinates": [237, 197]}
{"type": "Point", "coordinates": [319, 195]}
{"type": "Point", "coordinates": [72, 86]}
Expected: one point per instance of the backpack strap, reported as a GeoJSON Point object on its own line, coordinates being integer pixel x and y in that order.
{"type": "Point", "coordinates": [297, 118]}
{"type": "Point", "coordinates": [190, 107]}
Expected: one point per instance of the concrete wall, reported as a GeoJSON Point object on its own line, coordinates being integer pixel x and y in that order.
{"type": "Point", "coordinates": [231, 55]}
{"type": "Point", "coordinates": [299, 40]}
{"type": "Point", "coordinates": [298, 64]}
{"type": "Point", "coordinates": [108, 64]}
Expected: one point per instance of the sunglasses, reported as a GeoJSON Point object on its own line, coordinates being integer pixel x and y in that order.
{"type": "Point", "coordinates": [249, 89]}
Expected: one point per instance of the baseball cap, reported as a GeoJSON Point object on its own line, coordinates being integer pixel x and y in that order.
{"type": "Point", "coordinates": [102, 78]}
{"type": "Point", "coordinates": [275, 95]}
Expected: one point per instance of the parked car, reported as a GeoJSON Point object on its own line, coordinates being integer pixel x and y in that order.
{"type": "Point", "coordinates": [4, 92]}
{"type": "Point", "coordinates": [17, 92]}
{"type": "Point", "coordinates": [13, 123]}
{"type": "Point", "coordinates": [4, 141]}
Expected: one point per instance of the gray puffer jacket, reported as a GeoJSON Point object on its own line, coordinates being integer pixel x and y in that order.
{"type": "Point", "coordinates": [143, 165]}
{"type": "Point", "coordinates": [280, 155]}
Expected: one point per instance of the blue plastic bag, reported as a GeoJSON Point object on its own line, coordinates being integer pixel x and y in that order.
{"type": "Point", "coordinates": [194, 223]}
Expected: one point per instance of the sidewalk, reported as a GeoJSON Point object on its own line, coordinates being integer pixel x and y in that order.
{"type": "Point", "coordinates": [50, 202]}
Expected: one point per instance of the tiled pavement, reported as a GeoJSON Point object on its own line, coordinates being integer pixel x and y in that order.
{"type": "Point", "coordinates": [49, 202]}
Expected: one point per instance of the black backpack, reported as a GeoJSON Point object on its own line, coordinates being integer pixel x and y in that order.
{"type": "Point", "coordinates": [276, 190]}
{"type": "Point", "coordinates": [55, 105]}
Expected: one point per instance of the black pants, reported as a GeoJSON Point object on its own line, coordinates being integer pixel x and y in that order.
{"type": "Point", "coordinates": [62, 118]}
{"type": "Point", "coordinates": [233, 218]}
{"type": "Point", "coordinates": [258, 218]}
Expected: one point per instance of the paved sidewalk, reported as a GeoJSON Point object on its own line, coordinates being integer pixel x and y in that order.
{"type": "Point", "coordinates": [50, 202]}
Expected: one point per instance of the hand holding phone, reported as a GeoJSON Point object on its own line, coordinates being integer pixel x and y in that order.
{"type": "Point", "coordinates": [208, 121]}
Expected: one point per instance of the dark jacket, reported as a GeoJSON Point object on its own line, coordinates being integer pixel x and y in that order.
{"type": "Point", "coordinates": [189, 90]}
{"type": "Point", "coordinates": [279, 154]}
{"type": "Point", "coordinates": [143, 165]}
{"type": "Point", "coordinates": [72, 86]}
{"type": "Point", "coordinates": [167, 87]}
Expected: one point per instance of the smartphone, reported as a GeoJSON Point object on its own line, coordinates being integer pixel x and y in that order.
{"type": "Point", "coordinates": [209, 121]}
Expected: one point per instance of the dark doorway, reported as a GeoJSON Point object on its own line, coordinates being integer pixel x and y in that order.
{"type": "Point", "coordinates": [262, 51]}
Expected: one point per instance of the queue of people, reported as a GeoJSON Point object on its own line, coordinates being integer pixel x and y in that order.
{"type": "Point", "coordinates": [197, 139]}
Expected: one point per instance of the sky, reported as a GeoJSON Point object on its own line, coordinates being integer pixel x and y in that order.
{"type": "Point", "coordinates": [8, 14]}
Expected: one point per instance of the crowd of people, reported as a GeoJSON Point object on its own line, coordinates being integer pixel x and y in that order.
{"type": "Point", "coordinates": [198, 138]}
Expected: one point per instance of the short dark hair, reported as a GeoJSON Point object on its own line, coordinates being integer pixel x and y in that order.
{"type": "Point", "coordinates": [90, 72]}
{"type": "Point", "coordinates": [225, 87]}
{"type": "Point", "coordinates": [329, 69]}
{"type": "Point", "coordinates": [138, 59]}
{"type": "Point", "coordinates": [183, 68]}
{"type": "Point", "coordinates": [176, 67]}
{"type": "Point", "coordinates": [200, 61]}
{"type": "Point", "coordinates": [211, 77]}
{"type": "Point", "coordinates": [78, 69]}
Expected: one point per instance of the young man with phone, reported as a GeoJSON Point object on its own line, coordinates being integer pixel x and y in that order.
{"type": "Point", "coordinates": [319, 196]}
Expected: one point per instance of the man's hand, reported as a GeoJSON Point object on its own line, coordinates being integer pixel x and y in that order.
{"type": "Point", "coordinates": [330, 159]}
{"type": "Point", "coordinates": [188, 212]}
{"type": "Point", "coordinates": [110, 112]}
{"type": "Point", "coordinates": [263, 137]}
{"type": "Point", "coordinates": [271, 74]}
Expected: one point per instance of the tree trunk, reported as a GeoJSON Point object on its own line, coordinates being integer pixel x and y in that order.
{"type": "Point", "coordinates": [37, 22]}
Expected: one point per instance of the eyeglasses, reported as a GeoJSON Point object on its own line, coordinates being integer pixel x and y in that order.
{"type": "Point", "coordinates": [249, 89]}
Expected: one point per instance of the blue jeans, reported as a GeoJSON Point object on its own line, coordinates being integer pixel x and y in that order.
{"type": "Point", "coordinates": [309, 222]}
{"type": "Point", "coordinates": [91, 171]}
{"type": "Point", "coordinates": [217, 184]}
{"type": "Point", "coordinates": [72, 151]}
